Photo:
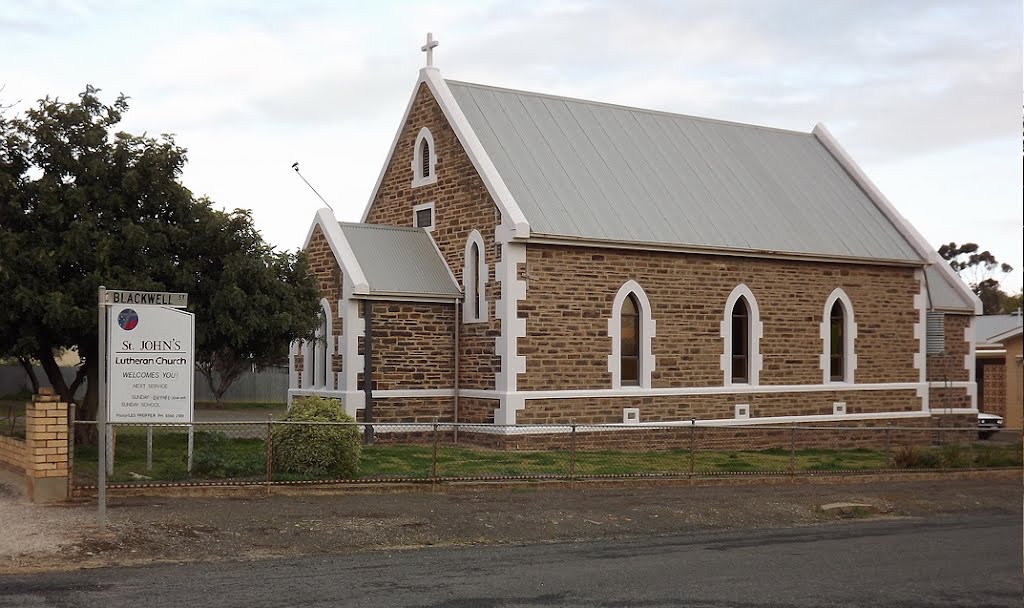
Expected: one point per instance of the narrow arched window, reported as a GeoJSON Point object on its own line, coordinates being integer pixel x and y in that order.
{"type": "Point", "coordinates": [424, 159]}
{"type": "Point", "coordinates": [474, 279]}
{"type": "Point", "coordinates": [630, 340]}
{"type": "Point", "coordinates": [740, 341]}
{"type": "Point", "coordinates": [320, 354]}
{"type": "Point", "coordinates": [837, 343]}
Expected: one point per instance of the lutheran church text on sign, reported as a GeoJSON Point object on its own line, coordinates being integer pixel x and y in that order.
{"type": "Point", "coordinates": [601, 263]}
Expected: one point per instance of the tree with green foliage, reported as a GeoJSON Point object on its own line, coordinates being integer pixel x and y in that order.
{"type": "Point", "coordinates": [979, 269]}
{"type": "Point", "coordinates": [84, 205]}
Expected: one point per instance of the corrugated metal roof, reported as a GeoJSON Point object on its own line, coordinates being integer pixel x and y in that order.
{"type": "Point", "coordinates": [399, 260]}
{"type": "Point", "coordinates": [583, 169]}
{"type": "Point", "coordinates": [944, 295]}
{"type": "Point", "coordinates": [988, 326]}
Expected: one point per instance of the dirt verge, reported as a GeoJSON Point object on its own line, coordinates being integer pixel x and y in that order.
{"type": "Point", "coordinates": [148, 529]}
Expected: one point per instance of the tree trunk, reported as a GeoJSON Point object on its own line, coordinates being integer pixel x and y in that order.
{"type": "Point", "coordinates": [31, 373]}
{"type": "Point", "coordinates": [86, 433]}
{"type": "Point", "coordinates": [54, 375]}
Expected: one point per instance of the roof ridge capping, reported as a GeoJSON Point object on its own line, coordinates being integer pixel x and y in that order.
{"type": "Point", "coordinates": [362, 225]}
{"type": "Point", "coordinates": [619, 106]}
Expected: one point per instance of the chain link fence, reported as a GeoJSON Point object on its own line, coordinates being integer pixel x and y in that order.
{"type": "Point", "coordinates": [230, 453]}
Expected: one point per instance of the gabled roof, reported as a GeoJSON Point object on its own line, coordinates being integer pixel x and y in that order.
{"type": "Point", "coordinates": [587, 170]}
{"type": "Point", "coordinates": [944, 290]}
{"type": "Point", "coordinates": [987, 327]}
{"type": "Point", "coordinates": [1006, 335]}
{"type": "Point", "coordinates": [400, 261]}
{"type": "Point", "coordinates": [386, 260]}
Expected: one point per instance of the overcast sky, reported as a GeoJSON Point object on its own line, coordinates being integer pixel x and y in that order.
{"type": "Point", "coordinates": [925, 95]}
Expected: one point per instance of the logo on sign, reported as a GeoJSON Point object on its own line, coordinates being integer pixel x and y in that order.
{"type": "Point", "coordinates": [128, 319]}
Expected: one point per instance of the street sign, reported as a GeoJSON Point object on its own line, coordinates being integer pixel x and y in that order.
{"type": "Point", "coordinates": [146, 298]}
{"type": "Point", "coordinates": [150, 363]}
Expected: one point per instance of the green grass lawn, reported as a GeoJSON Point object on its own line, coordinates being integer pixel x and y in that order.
{"type": "Point", "coordinates": [218, 457]}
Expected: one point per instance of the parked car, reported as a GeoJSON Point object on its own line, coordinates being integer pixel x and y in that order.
{"type": "Point", "coordinates": [988, 424]}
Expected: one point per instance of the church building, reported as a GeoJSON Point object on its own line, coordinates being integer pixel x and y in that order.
{"type": "Point", "coordinates": [533, 259]}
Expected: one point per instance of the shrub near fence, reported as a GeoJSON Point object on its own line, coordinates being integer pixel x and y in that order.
{"type": "Point", "coordinates": [243, 453]}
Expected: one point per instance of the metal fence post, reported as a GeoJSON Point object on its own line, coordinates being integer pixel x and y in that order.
{"type": "Point", "coordinates": [270, 450]}
{"type": "Point", "coordinates": [149, 448]}
{"type": "Point", "coordinates": [433, 457]}
{"type": "Point", "coordinates": [792, 450]}
{"type": "Point", "coordinates": [693, 443]}
{"type": "Point", "coordinates": [572, 450]}
{"type": "Point", "coordinates": [888, 445]}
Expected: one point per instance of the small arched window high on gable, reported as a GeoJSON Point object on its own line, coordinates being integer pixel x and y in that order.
{"type": "Point", "coordinates": [424, 159]}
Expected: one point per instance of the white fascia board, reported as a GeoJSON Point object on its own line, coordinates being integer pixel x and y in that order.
{"type": "Point", "coordinates": [341, 249]}
{"type": "Point", "coordinates": [916, 240]}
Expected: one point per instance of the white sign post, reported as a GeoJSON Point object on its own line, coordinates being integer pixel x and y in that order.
{"type": "Point", "coordinates": [147, 363]}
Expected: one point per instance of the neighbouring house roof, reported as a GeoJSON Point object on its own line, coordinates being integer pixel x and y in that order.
{"type": "Point", "coordinates": [586, 170]}
{"type": "Point", "coordinates": [992, 329]}
{"type": "Point", "coordinates": [945, 295]}
{"type": "Point", "coordinates": [396, 260]}
{"type": "Point", "coordinates": [1008, 334]}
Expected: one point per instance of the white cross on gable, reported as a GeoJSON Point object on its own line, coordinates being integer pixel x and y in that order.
{"type": "Point", "coordinates": [428, 48]}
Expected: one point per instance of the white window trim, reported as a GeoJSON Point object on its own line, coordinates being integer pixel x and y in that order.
{"type": "Point", "coordinates": [417, 160]}
{"type": "Point", "coordinates": [308, 371]}
{"type": "Point", "coordinates": [482, 272]}
{"type": "Point", "coordinates": [756, 331]}
{"type": "Point", "coordinates": [647, 332]}
{"type": "Point", "coordinates": [849, 333]}
{"type": "Point", "coordinates": [433, 215]}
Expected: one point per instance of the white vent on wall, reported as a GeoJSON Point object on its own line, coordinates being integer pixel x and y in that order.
{"type": "Point", "coordinates": [630, 415]}
{"type": "Point", "coordinates": [838, 408]}
{"type": "Point", "coordinates": [935, 330]}
{"type": "Point", "coordinates": [742, 411]}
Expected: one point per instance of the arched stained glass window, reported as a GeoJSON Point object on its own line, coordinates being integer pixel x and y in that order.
{"type": "Point", "coordinates": [741, 342]}
{"type": "Point", "coordinates": [837, 343]}
{"type": "Point", "coordinates": [630, 340]}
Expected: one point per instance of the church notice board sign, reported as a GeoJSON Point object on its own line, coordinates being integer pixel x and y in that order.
{"type": "Point", "coordinates": [150, 362]}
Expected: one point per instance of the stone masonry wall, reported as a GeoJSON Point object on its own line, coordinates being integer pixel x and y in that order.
{"type": "Point", "coordinates": [412, 346]}
{"type": "Point", "coordinates": [949, 366]}
{"type": "Point", "coordinates": [669, 408]}
{"type": "Point", "coordinates": [461, 204]}
{"type": "Point", "coordinates": [567, 341]}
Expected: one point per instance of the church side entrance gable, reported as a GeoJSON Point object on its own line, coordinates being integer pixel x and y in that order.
{"type": "Point", "coordinates": [461, 205]}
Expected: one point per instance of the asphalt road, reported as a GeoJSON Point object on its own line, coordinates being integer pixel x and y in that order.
{"type": "Point", "coordinates": [960, 560]}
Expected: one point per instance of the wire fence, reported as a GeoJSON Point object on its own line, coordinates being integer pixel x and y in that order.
{"type": "Point", "coordinates": [279, 452]}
